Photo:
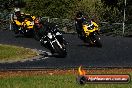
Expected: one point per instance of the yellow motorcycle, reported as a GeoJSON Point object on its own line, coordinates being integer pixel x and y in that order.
{"type": "Point", "coordinates": [26, 25]}
{"type": "Point", "coordinates": [90, 33]}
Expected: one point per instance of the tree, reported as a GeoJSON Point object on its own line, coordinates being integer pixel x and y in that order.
{"type": "Point", "coordinates": [52, 8]}
{"type": "Point", "coordinates": [129, 11]}
{"type": "Point", "coordinates": [19, 3]}
{"type": "Point", "coordinates": [110, 3]}
{"type": "Point", "coordinates": [9, 4]}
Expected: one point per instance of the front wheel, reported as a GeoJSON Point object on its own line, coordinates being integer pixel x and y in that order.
{"type": "Point", "coordinates": [95, 39]}
{"type": "Point", "coordinates": [61, 51]}
{"type": "Point", "coordinates": [98, 43]}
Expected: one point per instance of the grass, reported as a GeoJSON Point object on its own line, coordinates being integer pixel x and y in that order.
{"type": "Point", "coordinates": [66, 80]}
{"type": "Point", "coordinates": [14, 53]}
{"type": "Point", "coordinates": [62, 81]}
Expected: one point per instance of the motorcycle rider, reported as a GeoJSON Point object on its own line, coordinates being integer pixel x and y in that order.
{"type": "Point", "coordinates": [79, 19]}
{"type": "Point", "coordinates": [39, 28]}
{"type": "Point", "coordinates": [47, 26]}
{"type": "Point", "coordinates": [52, 26]}
{"type": "Point", "coordinates": [37, 23]}
{"type": "Point", "coordinates": [17, 20]}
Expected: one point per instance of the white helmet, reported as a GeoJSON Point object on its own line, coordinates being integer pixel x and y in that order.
{"type": "Point", "coordinates": [16, 9]}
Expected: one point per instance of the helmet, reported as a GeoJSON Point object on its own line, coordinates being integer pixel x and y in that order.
{"type": "Point", "coordinates": [79, 14]}
{"type": "Point", "coordinates": [17, 10]}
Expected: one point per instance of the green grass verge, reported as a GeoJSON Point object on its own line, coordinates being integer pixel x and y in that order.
{"type": "Point", "coordinates": [52, 81]}
{"type": "Point", "coordinates": [14, 53]}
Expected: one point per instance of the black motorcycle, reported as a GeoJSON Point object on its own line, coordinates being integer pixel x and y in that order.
{"type": "Point", "coordinates": [54, 41]}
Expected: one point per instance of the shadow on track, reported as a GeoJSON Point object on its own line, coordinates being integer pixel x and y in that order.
{"type": "Point", "coordinates": [88, 45]}
{"type": "Point", "coordinates": [45, 54]}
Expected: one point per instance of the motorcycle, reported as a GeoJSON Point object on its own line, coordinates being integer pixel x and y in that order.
{"type": "Point", "coordinates": [54, 41]}
{"type": "Point", "coordinates": [90, 33]}
{"type": "Point", "coordinates": [25, 26]}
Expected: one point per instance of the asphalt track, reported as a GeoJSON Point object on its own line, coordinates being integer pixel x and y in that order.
{"type": "Point", "coordinates": [116, 52]}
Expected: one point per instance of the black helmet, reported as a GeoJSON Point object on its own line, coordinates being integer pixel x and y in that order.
{"type": "Point", "coordinates": [79, 14]}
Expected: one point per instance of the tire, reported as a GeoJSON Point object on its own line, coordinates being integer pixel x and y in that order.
{"type": "Point", "coordinates": [61, 52]}
{"type": "Point", "coordinates": [98, 43]}
{"type": "Point", "coordinates": [95, 40]}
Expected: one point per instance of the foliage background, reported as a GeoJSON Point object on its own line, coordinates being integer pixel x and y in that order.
{"type": "Point", "coordinates": [103, 10]}
{"type": "Point", "coordinates": [68, 8]}
{"type": "Point", "coordinates": [110, 11]}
